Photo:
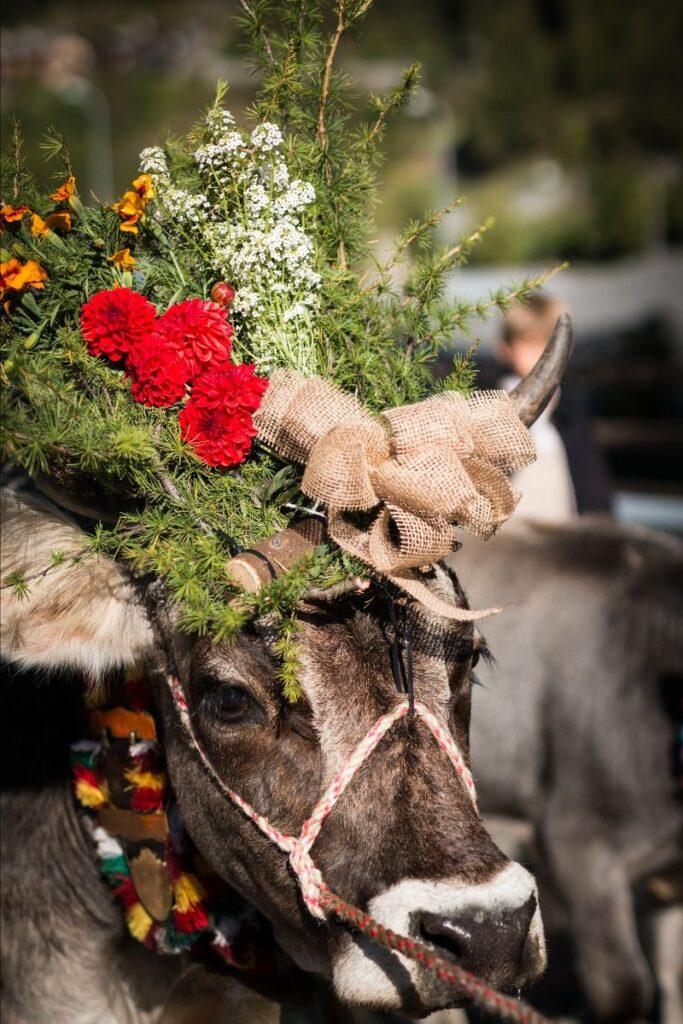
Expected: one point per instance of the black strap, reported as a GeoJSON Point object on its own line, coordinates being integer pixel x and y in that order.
{"type": "Point", "coordinates": [401, 652]}
{"type": "Point", "coordinates": [264, 558]}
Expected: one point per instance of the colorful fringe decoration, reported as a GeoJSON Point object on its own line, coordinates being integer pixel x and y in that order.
{"type": "Point", "coordinates": [91, 791]}
{"type": "Point", "coordinates": [189, 919]}
{"type": "Point", "coordinates": [230, 928]}
{"type": "Point", "coordinates": [146, 777]}
{"type": "Point", "coordinates": [114, 867]}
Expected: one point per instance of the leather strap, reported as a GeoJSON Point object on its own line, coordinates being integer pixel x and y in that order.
{"type": "Point", "coordinates": [132, 826]}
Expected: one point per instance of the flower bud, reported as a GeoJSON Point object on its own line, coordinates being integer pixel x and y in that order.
{"type": "Point", "coordinates": [223, 293]}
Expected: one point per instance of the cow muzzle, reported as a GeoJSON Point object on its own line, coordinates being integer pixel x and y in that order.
{"type": "Point", "coordinates": [492, 929]}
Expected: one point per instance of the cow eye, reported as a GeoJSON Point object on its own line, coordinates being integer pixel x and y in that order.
{"type": "Point", "coordinates": [228, 702]}
{"type": "Point", "coordinates": [232, 703]}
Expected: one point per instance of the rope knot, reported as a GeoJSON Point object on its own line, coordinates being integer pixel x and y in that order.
{"type": "Point", "coordinates": [310, 879]}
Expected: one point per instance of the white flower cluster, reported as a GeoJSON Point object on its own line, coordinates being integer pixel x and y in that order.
{"type": "Point", "coordinates": [248, 221]}
{"type": "Point", "coordinates": [220, 160]}
{"type": "Point", "coordinates": [188, 208]}
{"type": "Point", "coordinates": [266, 137]}
{"type": "Point", "coordinates": [153, 161]}
{"type": "Point", "coordinates": [219, 122]}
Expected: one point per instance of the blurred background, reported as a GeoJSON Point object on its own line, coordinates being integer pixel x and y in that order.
{"type": "Point", "coordinates": [561, 118]}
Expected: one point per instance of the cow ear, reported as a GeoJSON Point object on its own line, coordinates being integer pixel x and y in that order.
{"type": "Point", "coordinates": [61, 612]}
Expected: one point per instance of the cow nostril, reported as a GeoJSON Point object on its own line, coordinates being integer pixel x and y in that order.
{"type": "Point", "coordinates": [489, 941]}
{"type": "Point", "coordinates": [445, 933]}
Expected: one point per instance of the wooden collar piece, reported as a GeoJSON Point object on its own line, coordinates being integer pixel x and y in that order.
{"type": "Point", "coordinates": [256, 566]}
{"type": "Point", "coordinates": [150, 878]}
{"type": "Point", "coordinates": [121, 724]}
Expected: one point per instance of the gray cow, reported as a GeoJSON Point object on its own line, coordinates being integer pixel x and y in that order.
{"type": "Point", "coordinates": [389, 844]}
{"type": "Point", "coordinates": [405, 841]}
{"type": "Point", "coordinates": [571, 732]}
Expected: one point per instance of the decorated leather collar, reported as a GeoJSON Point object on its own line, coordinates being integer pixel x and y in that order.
{"type": "Point", "coordinates": [171, 900]}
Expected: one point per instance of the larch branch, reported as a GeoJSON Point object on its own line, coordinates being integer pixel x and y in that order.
{"type": "Point", "coordinates": [327, 74]}
{"type": "Point", "coordinates": [265, 42]}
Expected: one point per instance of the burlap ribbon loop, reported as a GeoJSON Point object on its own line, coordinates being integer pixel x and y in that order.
{"type": "Point", "coordinates": [425, 467]}
{"type": "Point", "coordinates": [345, 464]}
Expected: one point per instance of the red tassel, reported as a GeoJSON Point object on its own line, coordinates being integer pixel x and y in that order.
{"type": "Point", "coordinates": [85, 774]}
{"type": "Point", "coordinates": [126, 893]}
{"type": "Point", "coordinates": [145, 800]}
{"type": "Point", "coordinates": [148, 761]}
{"type": "Point", "coordinates": [193, 920]}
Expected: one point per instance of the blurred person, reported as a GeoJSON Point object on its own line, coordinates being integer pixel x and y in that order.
{"type": "Point", "coordinates": [570, 474]}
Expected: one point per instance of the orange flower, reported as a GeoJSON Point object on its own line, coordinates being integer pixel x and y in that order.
{"type": "Point", "coordinates": [16, 277]}
{"type": "Point", "coordinates": [130, 209]}
{"type": "Point", "coordinates": [59, 221]}
{"type": "Point", "coordinates": [65, 191]}
{"type": "Point", "coordinates": [12, 214]}
{"type": "Point", "coordinates": [132, 206]}
{"type": "Point", "coordinates": [123, 259]}
{"type": "Point", "coordinates": [38, 226]}
{"type": "Point", "coordinates": [144, 187]}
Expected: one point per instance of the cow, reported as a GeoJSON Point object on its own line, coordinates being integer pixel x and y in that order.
{"type": "Point", "coordinates": [404, 841]}
{"type": "Point", "coordinates": [573, 730]}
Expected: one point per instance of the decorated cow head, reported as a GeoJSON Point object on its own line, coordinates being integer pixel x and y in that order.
{"type": "Point", "coordinates": [404, 840]}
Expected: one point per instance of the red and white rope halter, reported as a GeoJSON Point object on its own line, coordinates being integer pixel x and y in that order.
{"type": "Point", "coordinates": [298, 847]}
{"type": "Point", "coordinates": [316, 894]}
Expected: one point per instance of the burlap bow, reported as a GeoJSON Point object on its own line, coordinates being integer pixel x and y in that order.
{"type": "Point", "coordinates": [425, 467]}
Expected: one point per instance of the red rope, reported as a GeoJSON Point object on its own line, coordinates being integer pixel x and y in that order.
{"type": "Point", "coordinates": [467, 983]}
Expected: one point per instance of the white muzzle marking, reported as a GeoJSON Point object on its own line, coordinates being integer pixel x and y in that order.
{"type": "Point", "coordinates": [362, 979]}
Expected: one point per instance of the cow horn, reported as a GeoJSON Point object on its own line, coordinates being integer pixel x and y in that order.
{"type": "Point", "coordinates": [534, 391]}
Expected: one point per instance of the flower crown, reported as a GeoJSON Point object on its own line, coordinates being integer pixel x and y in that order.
{"type": "Point", "coordinates": [145, 341]}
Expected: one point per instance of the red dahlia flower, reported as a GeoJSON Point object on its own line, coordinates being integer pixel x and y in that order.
{"type": "Point", "coordinates": [217, 420]}
{"type": "Point", "coordinates": [230, 387]}
{"type": "Point", "coordinates": [200, 332]}
{"type": "Point", "coordinates": [115, 321]}
{"type": "Point", "coordinates": [159, 374]}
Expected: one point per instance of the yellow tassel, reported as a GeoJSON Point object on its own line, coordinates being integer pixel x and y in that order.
{"type": "Point", "coordinates": [145, 780]}
{"type": "Point", "coordinates": [139, 922]}
{"type": "Point", "coordinates": [188, 892]}
{"type": "Point", "coordinates": [91, 796]}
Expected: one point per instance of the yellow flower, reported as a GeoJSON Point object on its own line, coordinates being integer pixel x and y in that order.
{"type": "Point", "coordinates": [65, 191]}
{"type": "Point", "coordinates": [16, 277]}
{"type": "Point", "coordinates": [130, 205]}
{"type": "Point", "coordinates": [123, 259]}
{"type": "Point", "coordinates": [58, 221]}
{"type": "Point", "coordinates": [130, 209]}
{"type": "Point", "coordinates": [12, 214]}
{"type": "Point", "coordinates": [38, 226]}
{"type": "Point", "coordinates": [144, 187]}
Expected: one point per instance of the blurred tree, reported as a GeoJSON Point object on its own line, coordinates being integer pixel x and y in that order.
{"type": "Point", "coordinates": [594, 86]}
